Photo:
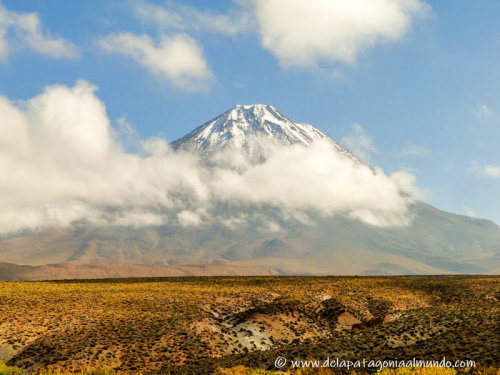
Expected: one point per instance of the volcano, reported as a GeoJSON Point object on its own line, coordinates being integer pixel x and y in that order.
{"type": "Point", "coordinates": [433, 241]}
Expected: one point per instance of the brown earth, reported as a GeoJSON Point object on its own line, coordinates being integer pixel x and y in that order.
{"type": "Point", "coordinates": [12, 272]}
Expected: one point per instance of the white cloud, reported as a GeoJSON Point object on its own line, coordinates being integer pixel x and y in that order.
{"type": "Point", "coordinates": [189, 218]}
{"type": "Point", "coordinates": [127, 134]}
{"type": "Point", "coordinates": [482, 111]}
{"type": "Point", "coordinates": [299, 33]}
{"type": "Point", "coordinates": [413, 150]}
{"type": "Point", "coordinates": [329, 184]}
{"type": "Point", "coordinates": [407, 182]}
{"type": "Point", "coordinates": [469, 212]}
{"type": "Point", "coordinates": [173, 16]}
{"type": "Point", "coordinates": [492, 170]}
{"type": "Point", "coordinates": [359, 142]}
{"type": "Point", "coordinates": [488, 170]}
{"type": "Point", "coordinates": [156, 146]}
{"type": "Point", "coordinates": [25, 29]}
{"type": "Point", "coordinates": [270, 227]}
{"type": "Point", "coordinates": [306, 33]}
{"type": "Point", "coordinates": [61, 162]}
{"type": "Point", "coordinates": [177, 58]}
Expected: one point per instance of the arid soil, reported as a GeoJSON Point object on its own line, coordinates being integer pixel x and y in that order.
{"type": "Point", "coordinates": [198, 324]}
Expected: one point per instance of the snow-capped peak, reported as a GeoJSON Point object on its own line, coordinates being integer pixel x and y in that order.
{"type": "Point", "coordinates": [250, 127]}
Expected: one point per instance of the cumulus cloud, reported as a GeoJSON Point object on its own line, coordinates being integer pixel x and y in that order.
{"type": "Point", "coordinates": [359, 142]}
{"type": "Point", "coordinates": [482, 111]}
{"type": "Point", "coordinates": [178, 58]}
{"type": "Point", "coordinates": [306, 33]}
{"type": "Point", "coordinates": [488, 170]}
{"type": "Point", "coordinates": [62, 163]}
{"type": "Point", "coordinates": [413, 150]}
{"type": "Point", "coordinates": [25, 29]}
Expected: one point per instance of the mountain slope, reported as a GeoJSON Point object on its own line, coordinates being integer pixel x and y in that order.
{"type": "Point", "coordinates": [436, 242]}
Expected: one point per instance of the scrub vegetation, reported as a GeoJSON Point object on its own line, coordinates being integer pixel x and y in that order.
{"type": "Point", "coordinates": [207, 325]}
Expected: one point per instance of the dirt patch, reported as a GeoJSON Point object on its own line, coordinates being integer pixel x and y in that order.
{"type": "Point", "coordinates": [346, 321]}
{"type": "Point", "coordinates": [7, 352]}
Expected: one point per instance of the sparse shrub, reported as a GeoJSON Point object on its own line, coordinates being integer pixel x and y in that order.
{"type": "Point", "coordinates": [418, 371]}
{"type": "Point", "coordinates": [51, 372]}
{"type": "Point", "coordinates": [483, 371]}
{"type": "Point", "coordinates": [313, 371]}
{"type": "Point", "coordinates": [242, 370]}
{"type": "Point", "coordinates": [99, 370]}
{"type": "Point", "coordinates": [9, 370]}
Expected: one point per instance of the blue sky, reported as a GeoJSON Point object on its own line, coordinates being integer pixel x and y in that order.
{"type": "Point", "coordinates": [419, 91]}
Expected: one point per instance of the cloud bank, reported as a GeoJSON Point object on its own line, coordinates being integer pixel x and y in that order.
{"type": "Point", "coordinates": [61, 162]}
{"type": "Point", "coordinates": [25, 29]}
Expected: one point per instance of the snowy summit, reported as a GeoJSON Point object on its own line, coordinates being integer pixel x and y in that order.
{"type": "Point", "coordinates": [251, 127]}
